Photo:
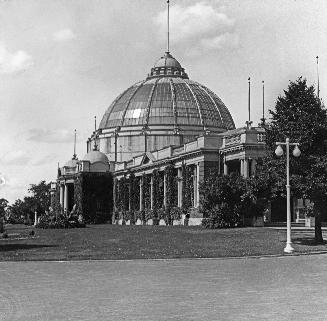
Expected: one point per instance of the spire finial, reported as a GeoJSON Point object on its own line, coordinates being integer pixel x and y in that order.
{"type": "Point", "coordinates": [95, 134]}
{"type": "Point", "coordinates": [74, 155]}
{"type": "Point", "coordinates": [168, 26]}
{"type": "Point", "coordinates": [318, 90]}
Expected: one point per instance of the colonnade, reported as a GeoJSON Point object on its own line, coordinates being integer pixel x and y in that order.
{"type": "Point", "coordinates": [195, 181]}
{"type": "Point", "coordinates": [64, 196]}
{"type": "Point", "coordinates": [247, 167]}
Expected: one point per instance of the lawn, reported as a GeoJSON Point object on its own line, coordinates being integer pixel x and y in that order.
{"type": "Point", "coordinates": [153, 242]}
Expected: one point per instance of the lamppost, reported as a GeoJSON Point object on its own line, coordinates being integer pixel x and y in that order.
{"type": "Point", "coordinates": [296, 152]}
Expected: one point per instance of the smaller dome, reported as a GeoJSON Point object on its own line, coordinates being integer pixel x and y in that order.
{"type": "Point", "coordinates": [167, 66]}
{"type": "Point", "coordinates": [71, 163]}
{"type": "Point", "coordinates": [167, 61]}
{"type": "Point", "coordinates": [95, 156]}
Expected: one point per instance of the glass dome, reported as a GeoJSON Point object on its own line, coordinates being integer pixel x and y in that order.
{"type": "Point", "coordinates": [167, 108]}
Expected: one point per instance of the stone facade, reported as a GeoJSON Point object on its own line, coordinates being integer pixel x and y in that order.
{"type": "Point", "coordinates": [232, 151]}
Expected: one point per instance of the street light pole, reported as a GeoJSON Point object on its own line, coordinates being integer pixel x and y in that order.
{"type": "Point", "coordinates": [296, 152]}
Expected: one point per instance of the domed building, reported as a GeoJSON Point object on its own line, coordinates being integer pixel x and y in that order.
{"type": "Point", "coordinates": [165, 133]}
{"type": "Point", "coordinates": [165, 109]}
{"type": "Point", "coordinates": [87, 185]}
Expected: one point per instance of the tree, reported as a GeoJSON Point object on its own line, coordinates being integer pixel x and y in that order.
{"type": "Point", "coordinates": [3, 206]}
{"type": "Point", "coordinates": [40, 199]}
{"type": "Point", "coordinates": [228, 200]}
{"type": "Point", "coordinates": [299, 115]}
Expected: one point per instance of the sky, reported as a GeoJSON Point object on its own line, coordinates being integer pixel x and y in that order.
{"type": "Point", "coordinates": [62, 62]}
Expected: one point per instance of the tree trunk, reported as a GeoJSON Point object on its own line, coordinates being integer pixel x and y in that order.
{"type": "Point", "coordinates": [318, 232]}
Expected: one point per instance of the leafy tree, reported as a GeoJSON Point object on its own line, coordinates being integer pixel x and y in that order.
{"type": "Point", "coordinates": [38, 201]}
{"type": "Point", "coordinates": [40, 198]}
{"type": "Point", "coordinates": [3, 206]}
{"type": "Point", "coordinates": [299, 115]}
{"type": "Point", "coordinates": [227, 200]}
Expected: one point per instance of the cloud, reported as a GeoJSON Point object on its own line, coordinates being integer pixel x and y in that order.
{"type": "Point", "coordinates": [63, 35]}
{"type": "Point", "coordinates": [44, 160]}
{"type": "Point", "coordinates": [202, 24]}
{"type": "Point", "coordinates": [13, 62]}
{"type": "Point", "coordinates": [50, 135]}
{"type": "Point", "coordinates": [2, 180]}
{"type": "Point", "coordinates": [16, 157]}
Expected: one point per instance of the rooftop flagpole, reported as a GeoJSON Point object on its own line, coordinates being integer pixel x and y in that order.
{"type": "Point", "coordinates": [318, 90]}
{"type": "Point", "coordinates": [167, 26]}
{"type": "Point", "coordinates": [263, 99]}
{"type": "Point", "coordinates": [95, 133]}
{"type": "Point", "coordinates": [249, 103]}
{"type": "Point", "coordinates": [248, 123]}
{"type": "Point", "coordinates": [74, 156]}
{"type": "Point", "coordinates": [263, 119]}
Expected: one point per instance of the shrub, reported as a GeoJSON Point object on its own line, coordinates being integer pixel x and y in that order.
{"type": "Point", "coordinates": [222, 216]}
{"type": "Point", "coordinates": [176, 213]}
{"type": "Point", "coordinates": [161, 214]}
{"type": "Point", "coordinates": [65, 220]}
{"type": "Point", "coordinates": [231, 195]}
{"type": "Point", "coordinates": [140, 215]}
{"type": "Point", "coordinates": [148, 213]}
{"type": "Point", "coordinates": [129, 216]}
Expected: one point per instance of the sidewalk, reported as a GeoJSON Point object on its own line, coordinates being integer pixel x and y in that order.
{"type": "Point", "coordinates": [274, 288]}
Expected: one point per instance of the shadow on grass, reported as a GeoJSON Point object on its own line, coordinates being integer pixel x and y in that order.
{"type": "Point", "coordinates": [15, 247]}
{"type": "Point", "coordinates": [307, 241]}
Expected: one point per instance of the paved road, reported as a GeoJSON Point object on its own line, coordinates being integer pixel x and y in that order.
{"type": "Point", "coordinates": [284, 288]}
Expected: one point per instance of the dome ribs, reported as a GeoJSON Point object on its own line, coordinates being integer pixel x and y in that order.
{"type": "Point", "coordinates": [106, 116]}
{"type": "Point", "coordinates": [213, 101]}
{"type": "Point", "coordinates": [173, 95]}
{"type": "Point", "coordinates": [228, 120]}
{"type": "Point", "coordinates": [197, 104]}
{"type": "Point", "coordinates": [147, 109]}
{"type": "Point", "coordinates": [129, 101]}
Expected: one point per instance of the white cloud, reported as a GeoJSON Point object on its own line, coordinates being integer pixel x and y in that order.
{"type": "Point", "coordinates": [44, 160]}
{"type": "Point", "coordinates": [13, 62]}
{"type": "Point", "coordinates": [201, 23]}
{"type": "Point", "coordinates": [2, 180]}
{"type": "Point", "coordinates": [63, 35]}
{"type": "Point", "coordinates": [50, 135]}
{"type": "Point", "coordinates": [15, 157]}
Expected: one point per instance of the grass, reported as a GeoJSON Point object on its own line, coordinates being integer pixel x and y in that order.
{"type": "Point", "coordinates": [140, 242]}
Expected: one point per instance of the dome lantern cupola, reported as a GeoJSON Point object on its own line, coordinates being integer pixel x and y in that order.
{"type": "Point", "coordinates": [167, 66]}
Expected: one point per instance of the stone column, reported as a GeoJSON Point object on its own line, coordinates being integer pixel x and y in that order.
{"type": "Point", "coordinates": [195, 195]}
{"type": "Point", "coordinates": [253, 167]}
{"type": "Point", "coordinates": [61, 196]}
{"type": "Point", "coordinates": [179, 187]}
{"type": "Point", "coordinates": [246, 168]}
{"type": "Point", "coordinates": [225, 167]}
{"type": "Point", "coordinates": [165, 189]}
{"type": "Point", "coordinates": [66, 198]}
{"type": "Point", "coordinates": [151, 192]}
{"type": "Point", "coordinates": [242, 167]}
{"type": "Point", "coordinates": [35, 218]}
{"type": "Point", "coordinates": [141, 193]}
{"type": "Point", "coordinates": [197, 182]}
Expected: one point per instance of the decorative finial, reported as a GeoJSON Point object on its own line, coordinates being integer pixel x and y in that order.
{"type": "Point", "coordinates": [318, 90]}
{"type": "Point", "coordinates": [168, 26]}
{"type": "Point", "coordinates": [74, 155]}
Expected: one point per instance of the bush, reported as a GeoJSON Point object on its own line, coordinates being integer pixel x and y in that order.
{"type": "Point", "coordinates": [140, 215]}
{"type": "Point", "coordinates": [176, 213]}
{"type": "Point", "coordinates": [222, 216]}
{"type": "Point", "coordinates": [240, 197]}
{"type": "Point", "coordinates": [66, 220]}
